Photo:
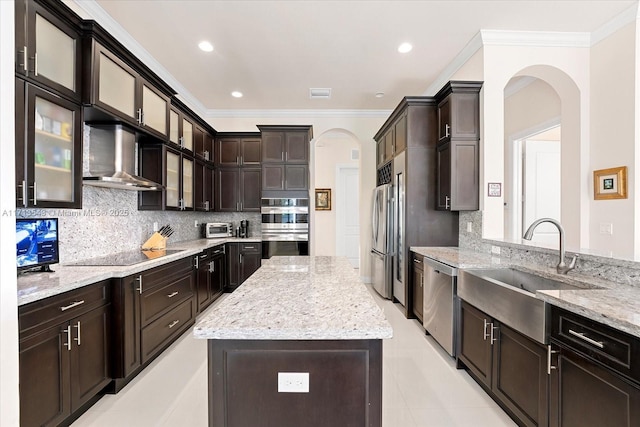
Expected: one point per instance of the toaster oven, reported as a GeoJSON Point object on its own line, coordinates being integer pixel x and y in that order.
{"type": "Point", "coordinates": [212, 230]}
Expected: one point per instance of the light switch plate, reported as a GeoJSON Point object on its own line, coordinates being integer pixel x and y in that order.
{"type": "Point", "coordinates": [495, 250]}
{"type": "Point", "coordinates": [293, 382]}
{"type": "Point", "coordinates": [469, 227]}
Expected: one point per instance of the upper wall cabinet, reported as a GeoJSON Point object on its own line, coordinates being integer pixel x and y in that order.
{"type": "Point", "coordinates": [181, 130]}
{"type": "Point", "coordinates": [238, 149]}
{"type": "Point", "coordinates": [393, 141]}
{"type": "Point", "coordinates": [285, 144]}
{"type": "Point", "coordinates": [48, 46]}
{"type": "Point", "coordinates": [459, 111]}
{"type": "Point", "coordinates": [190, 133]}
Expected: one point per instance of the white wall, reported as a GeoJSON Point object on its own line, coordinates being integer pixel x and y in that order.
{"type": "Point", "coordinates": [9, 406]}
{"type": "Point", "coordinates": [331, 149]}
{"type": "Point", "coordinates": [363, 129]}
{"type": "Point", "coordinates": [613, 133]}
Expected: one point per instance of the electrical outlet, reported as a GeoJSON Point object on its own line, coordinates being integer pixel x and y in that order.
{"type": "Point", "coordinates": [293, 382]}
{"type": "Point", "coordinates": [196, 223]}
{"type": "Point", "coordinates": [606, 228]}
{"type": "Point", "coordinates": [155, 226]}
{"type": "Point", "coordinates": [495, 250]}
{"type": "Point", "coordinates": [469, 227]}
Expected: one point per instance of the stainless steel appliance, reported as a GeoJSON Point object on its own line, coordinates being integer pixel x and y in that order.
{"type": "Point", "coordinates": [214, 230]}
{"type": "Point", "coordinates": [381, 240]}
{"type": "Point", "coordinates": [439, 302]}
{"type": "Point", "coordinates": [285, 226]}
{"type": "Point", "coordinates": [399, 238]}
{"type": "Point", "coordinates": [244, 229]}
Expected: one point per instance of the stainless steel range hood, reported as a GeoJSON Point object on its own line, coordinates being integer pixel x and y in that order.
{"type": "Point", "coordinates": [112, 160]}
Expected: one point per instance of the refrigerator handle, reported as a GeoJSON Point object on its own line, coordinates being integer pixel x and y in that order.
{"type": "Point", "coordinates": [375, 217]}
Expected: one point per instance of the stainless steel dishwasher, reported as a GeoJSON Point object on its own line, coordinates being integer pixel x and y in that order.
{"type": "Point", "coordinates": [440, 303]}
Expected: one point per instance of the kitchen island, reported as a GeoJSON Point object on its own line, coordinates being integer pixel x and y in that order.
{"type": "Point", "coordinates": [310, 316]}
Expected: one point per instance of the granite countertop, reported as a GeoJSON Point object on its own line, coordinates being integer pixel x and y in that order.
{"type": "Point", "coordinates": [607, 302]}
{"type": "Point", "coordinates": [36, 286]}
{"type": "Point", "coordinates": [298, 298]}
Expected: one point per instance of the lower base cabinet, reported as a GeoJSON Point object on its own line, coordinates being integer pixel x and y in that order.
{"type": "Point", "coordinates": [210, 276]}
{"type": "Point", "coordinates": [511, 367]}
{"type": "Point", "coordinates": [64, 354]}
{"type": "Point", "coordinates": [417, 285]}
{"type": "Point", "coordinates": [596, 379]}
{"type": "Point", "coordinates": [243, 259]}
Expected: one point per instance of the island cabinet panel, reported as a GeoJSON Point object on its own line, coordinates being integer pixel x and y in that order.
{"type": "Point", "coordinates": [511, 367]}
{"type": "Point", "coordinates": [64, 354]}
{"type": "Point", "coordinates": [243, 259]}
{"type": "Point", "coordinates": [345, 383]}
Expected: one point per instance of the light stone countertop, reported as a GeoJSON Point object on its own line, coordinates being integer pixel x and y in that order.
{"type": "Point", "coordinates": [36, 286]}
{"type": "Point", "coordinates": [613, 304]}
{"type": "Point", "coordinates": [298, 298]}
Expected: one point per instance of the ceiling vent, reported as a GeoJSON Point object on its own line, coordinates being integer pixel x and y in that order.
{"type": "Point", "coordinates": [320, 93]}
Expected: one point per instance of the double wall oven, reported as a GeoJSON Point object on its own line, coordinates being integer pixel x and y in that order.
{"type": "Point", "coordinates": [285, 226]}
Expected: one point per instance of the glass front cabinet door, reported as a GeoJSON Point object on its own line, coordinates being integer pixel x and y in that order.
{"type": "Point", "coordinates": [47, 49]}
{"type": "Point", "coordinates": [51, 175]}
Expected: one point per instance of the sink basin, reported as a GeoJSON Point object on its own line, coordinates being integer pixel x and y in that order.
{"type": "Point", "coordinates": [508, 295]}
{"type": "Point", "coordinates": [522, 280]}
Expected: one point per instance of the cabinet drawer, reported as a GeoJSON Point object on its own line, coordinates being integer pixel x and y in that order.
{"type": "Point", "coordinates": [166, 328]}
{"type": "Point", "coordinates": [609, 346]}
{"type": "Point", "coordinates": [165, 274]}
{"type": "Point", "coordinates": [60, 308]}
{"type": "Point", "coordinates": [160, 299]}
{"type": "Point", "coordinates": [255, 247]}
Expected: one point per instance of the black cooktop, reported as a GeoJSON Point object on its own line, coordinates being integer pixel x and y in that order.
{"type": "Point", "coordinates": [125, 258]}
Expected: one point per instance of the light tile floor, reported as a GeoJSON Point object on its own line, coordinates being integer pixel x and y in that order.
{"type": "Point", "coordinates": [421, 387]}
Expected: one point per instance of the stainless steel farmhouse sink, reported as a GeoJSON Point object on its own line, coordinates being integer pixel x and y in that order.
{"type": "Point", "coordinates": [508, 295]}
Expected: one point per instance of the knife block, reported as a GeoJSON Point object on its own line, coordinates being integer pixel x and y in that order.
{"type": "Point", "coordinates": [155, 242]}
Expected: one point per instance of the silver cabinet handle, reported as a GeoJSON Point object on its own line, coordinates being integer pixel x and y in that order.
{"type": "Point", "coordinates": [446, 202]}
{"type": "Point", "coordinates": [197, 263]}
{"type": "Point", "coordinates": [206, 205]}
{"type": "Point", "coordinates": [139, 114]}
{"type": "Point", "coordinates": [35, 64]}
{"type": "Point", "coordinates": [174, 323]}
{"type": "Point", "coordinates": [205, 154]}
{"type": "Point", "coordinates": [447, 130]}
{"type": "Point", "coordinates": [67, 331]}
{"type": "Point", "coordinates": [493, 339]}
{"type": "Point", "coordinates": [181, 142]}
{"type": "Point", "coordinates": [249, 247]}
{"type": "Point", "coordinates": [238, 160]}
{"type": "Point", "coordinates": [549, 353]}
{"type": "Point", "coordinates": [417, 261]}
{"type": "Point", "coordinates": [139, 279]}
{"type": "Point", "coordinates": [73, 304]}
{"type": "Point", "coordinates": [172, 294]}
{"type": "Point", "coordinates": [583, 337]}
{"type": "Point", "coordinates": [77, 326]}
{"type": "Point", "coordinates": [25, 67]}
{"type": "Point", "coordinates": [24, 194]}
{"type": "Point", "coordinates": [35, 193]}
{"type": "Point", "coordinates": [485, 335]}
{"type": "Point", "coordinates": [212, 267]}
{"type": "Point", "coordinates": [240, 256]}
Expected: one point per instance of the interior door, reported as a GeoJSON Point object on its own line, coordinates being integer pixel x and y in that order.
{"type": "Point", "coordinates": [348, 215]}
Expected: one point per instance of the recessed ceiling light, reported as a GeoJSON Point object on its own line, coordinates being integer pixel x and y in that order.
{"type": "Point", "coordinates": [405, 47]}
{"type": "Point", "coordinates": [236, 94]}
{"type": "Point", "coordinates": [379, 94]}
{"type": "Point", "coordinates": [205, 46]}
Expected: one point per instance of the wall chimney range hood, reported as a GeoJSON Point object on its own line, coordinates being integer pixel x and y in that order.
{"type": "Point", "coordinates": [112, 160]}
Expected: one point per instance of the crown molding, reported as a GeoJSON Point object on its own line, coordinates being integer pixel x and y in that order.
{"type": "Point", "coordinates": [628, 16]}
{"type": "Point", "coordinates": [370, 114]}
{"type": "Point", "coordinates": [535, 38]}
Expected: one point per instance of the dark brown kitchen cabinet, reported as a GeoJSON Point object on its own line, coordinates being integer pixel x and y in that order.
{"type": "Point", "coordinates": [64, 354]}
{"type": "Point", "coordinates": [238, 149]}
{"type": "Point", "coordinates": [150, 310]}
{"type": "Point", "coordinates": [48, 149]}
{"type": "Point", "coordinates": [237, 189]}
{"type": "Point", "coordinates": [596, 379]}
{"type": "Point", "coordinates": [243, 259]}
{"type": "Point", "coordinates": [203, 186]}
{"type": "Point", "coordinates": [210, 275]}
{"type": "Point", "coordinates": [49, 46]}
{"type": "Point", "coordinates": [181, 131]}
{"type": "Point", "coordinates": [285, 144]}
{"type": "Point", "coordinates": [203, 145]}
{"type": "Point", "coordinates": [511, 367]}
{"type": "Point", "coordinates": [458, 176]}
{"type": "Point", "coordinates": [393, 141]}
{"type": "Point", "coordinates": [459, 111]}
{"type": "Point", "coordinates": [116, 91]}
{"type": "Point", "coordinates": [175, 170]}
{"type": "Point", "coordinates": [418, 285]}
{"type": "Point", "coordinates": [285, 177]}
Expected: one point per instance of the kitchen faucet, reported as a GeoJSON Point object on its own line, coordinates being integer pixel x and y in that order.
{"type": "Point", "coordinates": [561, 268]}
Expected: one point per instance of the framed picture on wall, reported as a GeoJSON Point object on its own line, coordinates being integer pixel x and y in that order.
{"type": "Point", "coordinates": [610, 183]}
{"type": "Point", "coordinates": [323, 199]}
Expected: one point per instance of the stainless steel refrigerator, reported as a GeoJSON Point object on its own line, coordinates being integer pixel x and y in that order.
{"type": "Point", "coordinates": [382, 240]}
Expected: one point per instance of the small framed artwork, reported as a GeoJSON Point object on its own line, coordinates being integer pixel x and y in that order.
{"type": "Point", "coordinates": [610, 183]}
{"type": "Point", "coordinates": [495, 189]}
{"type": "Point", "coordinates": [323, 199]}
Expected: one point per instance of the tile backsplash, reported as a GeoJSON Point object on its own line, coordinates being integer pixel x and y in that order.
{"type": "Point", "coordinates": [110, 222]}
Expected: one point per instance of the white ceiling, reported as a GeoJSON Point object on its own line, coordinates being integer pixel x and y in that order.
{"type": "Point", "coordinates": [274, 51]}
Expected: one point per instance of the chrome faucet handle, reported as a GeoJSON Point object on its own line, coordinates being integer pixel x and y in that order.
{"type": "Point", "coordinates": [562, 268]}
